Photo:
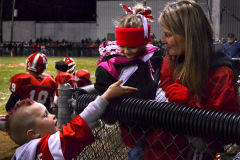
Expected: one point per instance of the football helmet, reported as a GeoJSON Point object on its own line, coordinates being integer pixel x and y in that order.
{"type": "Point", "coordinates": [37, 62]}
{"type": "Point", "coordinates": [71, 65]}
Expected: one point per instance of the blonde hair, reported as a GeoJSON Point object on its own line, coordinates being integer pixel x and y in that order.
{"type": "Point", "coordinates": [131, 20]}
{"type": "Point", "coordinates": [186, 18]}
{"type": "Point", "coordinates": [19, 121]}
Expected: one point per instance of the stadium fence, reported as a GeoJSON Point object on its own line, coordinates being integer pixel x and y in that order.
{"type": "Point", "coordinates": [204, 134]}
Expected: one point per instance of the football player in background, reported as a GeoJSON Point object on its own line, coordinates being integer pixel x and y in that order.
{"type": "Point", "coordinates": [34, 84]}
{"type": "Point", "coordinates": [82, 77]}
{"type": "Point", "coordinates": [63, 76]}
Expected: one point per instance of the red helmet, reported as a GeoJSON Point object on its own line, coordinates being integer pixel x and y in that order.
{"type": "Point", "coordinates": [37, 62]}
{"type": "Point", "coordinates": [71, 65]}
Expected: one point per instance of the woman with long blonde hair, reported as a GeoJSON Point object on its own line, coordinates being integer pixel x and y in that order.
{"type": "Point", "coordinates": [192, 74]}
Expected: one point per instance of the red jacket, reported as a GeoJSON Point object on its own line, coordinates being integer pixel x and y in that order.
{"type": "Point", "coordinates": [220, 91]}
{"type": "Point", "coordinates": [221, 95]}
{"type": "Point", "coordinates": [64, 77]}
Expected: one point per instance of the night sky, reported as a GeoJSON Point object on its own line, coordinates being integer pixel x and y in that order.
{"type": "Point", "coordinates": [51, 10]}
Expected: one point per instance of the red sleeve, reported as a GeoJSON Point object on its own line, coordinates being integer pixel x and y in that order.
{"type": "Point", "coordinates": [83, 76]}
{"type": "Point", "coordinates": [221, 92]}
{"type": "Point", "coordinates": [68, 142]}
{"type": "Point", "coordinates": [16, 83]}
{"type": "Point", "coordinates": [166, 74]}
{"type": "Point", "coordinates": [80, 135]}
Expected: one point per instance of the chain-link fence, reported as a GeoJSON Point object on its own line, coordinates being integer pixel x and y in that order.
{"type": "Point", "coordinates": [164, 130]}
{"type": "Point", "coordinates": [109, 145]}
{"type": "Point", "coordinates": [236, 67]}
{"type": "Point", "coordinates": [236, 71]}
{"type": "Point", "coordinates": [159, 130]}
{"type": "Point", "coordinates": [146, 129]}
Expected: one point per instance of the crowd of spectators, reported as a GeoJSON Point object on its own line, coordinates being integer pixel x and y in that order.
{"type": "Point", "coordinates": [86, 47]}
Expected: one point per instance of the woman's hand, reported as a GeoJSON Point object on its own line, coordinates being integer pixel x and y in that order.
{"type": "Point", "coordinates": [179, 94]}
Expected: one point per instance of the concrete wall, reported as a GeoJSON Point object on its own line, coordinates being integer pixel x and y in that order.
{"type": "Point", "coordinates": [107, 11]}
{"type": "Point", "coordinates": [69, 31]}
{"type": "Point", "coordinates": [26, 30]}
{"type": "Point", "coordinates": [22, 30]}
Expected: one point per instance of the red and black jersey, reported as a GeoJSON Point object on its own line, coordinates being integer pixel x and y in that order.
{"type": "Point", "coordinates": [83, 78]}
{"type": "Point", "coordinates": [65, 77]}
{"type": "Point", "coordinates": [47, 75]}
{"type": "Point", "coordinates": [67, 143]}
{"type": "Point", "coordinates": [40, 89]}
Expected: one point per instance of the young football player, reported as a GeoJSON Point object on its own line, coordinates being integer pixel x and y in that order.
{"type": "Point", "coordinates": [33, 84]}
{"type": "Point", "coordinates": [30, 125]}
{"type": "Point", "coordinates": [82, 77]}
{"type": "Point", "coordinates": [62, 75]}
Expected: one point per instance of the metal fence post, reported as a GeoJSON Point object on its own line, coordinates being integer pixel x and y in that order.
{"type": "Point", "coordinates": [64, 110]}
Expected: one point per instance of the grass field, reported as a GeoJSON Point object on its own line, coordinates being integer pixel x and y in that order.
{"type": "Point", "coordinates": [9, 66]}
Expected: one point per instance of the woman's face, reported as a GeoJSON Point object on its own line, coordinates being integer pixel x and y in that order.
{"type": "Point", "coordinates": [174, 46]}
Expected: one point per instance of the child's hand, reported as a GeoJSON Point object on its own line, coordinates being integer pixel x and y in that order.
{"type": "Point", "coordinates": [115, 91]}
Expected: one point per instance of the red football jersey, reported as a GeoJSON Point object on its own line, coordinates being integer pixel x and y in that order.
{"type": "Point", "coordinates": [67, 143]}
{"type": "Point", "coordinates": [83, 78]}
{"type": "Point", "coordinates": [47, 75]}
{"type": "Point", "coordinates": [40, 89]}
{"type": "Point", "coordinates": [64, 77]}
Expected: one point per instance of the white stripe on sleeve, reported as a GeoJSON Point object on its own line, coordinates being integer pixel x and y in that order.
{"type": "Point", "coordinates": [54, 145]}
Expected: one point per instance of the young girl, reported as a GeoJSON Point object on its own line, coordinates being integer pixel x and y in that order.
{"type": "Point", "coordinates": [132, 59]}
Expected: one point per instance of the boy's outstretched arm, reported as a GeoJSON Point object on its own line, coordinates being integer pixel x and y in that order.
{"type": "Point", "coordinates": [115, 90]}
{"type": "Point", "coordinates": [95, 109]}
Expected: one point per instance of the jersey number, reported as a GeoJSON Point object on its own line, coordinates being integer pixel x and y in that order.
{"type": "Point", "coordinates": [41, 97]}
{"type": "Point", "coordinates": [13, 87]}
